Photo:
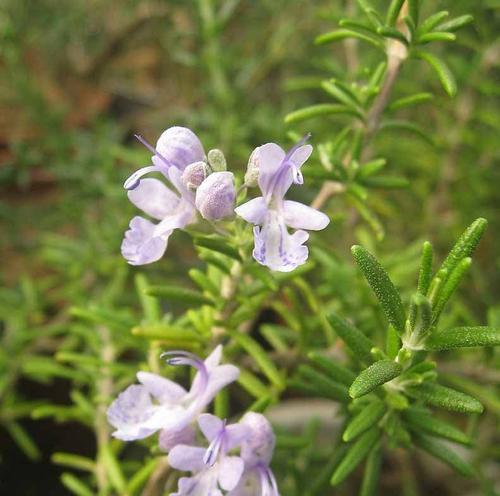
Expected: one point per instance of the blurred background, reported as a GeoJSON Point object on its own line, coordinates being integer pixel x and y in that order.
{"type": "Point", "coordinates": [79, 77]}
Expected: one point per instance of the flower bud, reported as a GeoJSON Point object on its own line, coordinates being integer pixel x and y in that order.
{"type": "Point", "coordinates": [194, 174]}
{"type": "Point", "coordinates": [252, 173]}
{"type": "Point", "coordinates": [259, 444]}
{"type": "Point", "coordinates": [217, 160]}
{"type": "Point", "coordinates": [215, 196]}
{"type": "Point", "coordinates": [180, 147]}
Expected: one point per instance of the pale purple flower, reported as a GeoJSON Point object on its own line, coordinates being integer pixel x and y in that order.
{"type": "Point", "coordinates": [274, 246]}
{"type": "Point", "coordinates": [256, 451]}
{"type": "Point", "coordinates": [215, 196]}
{"type": "Point", "coordinates": [161, 404]}
{"type": "Point", "coordinates": [213, 468]}
{"type": "Point", "coordinates": [145, 242]}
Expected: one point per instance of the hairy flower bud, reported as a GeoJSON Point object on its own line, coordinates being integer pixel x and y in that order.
{"type": "Point", "coordinates": [259, 444]}
{"type": "Point", "coordinates": [215, 196]}
{"type": "Point", "coordinates": [179, 146]}
{"type": "Point", "coordinates": [194, 174]}
{"type": "Point", "coordinates": [252, 173]}
{"type": "Point", "coordinates": [217, 160]}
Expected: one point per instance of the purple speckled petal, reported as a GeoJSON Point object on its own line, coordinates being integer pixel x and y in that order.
{"type": "Point", "coordinates": [215, 196]}
{"type": "Point", "coordinates": [154, 198]}
{"type": "Point", "coordinates": [230, 471]}
{"type": "Point", "coordinates": [300, 216]}
{"type": "Point", "coordinates": [140, 245]}
{"type": "Point", "coordinates": [253, 211]}
{"type": "Point", "coordinates": [162, 389]}
{"type": "Point", "coordinates": [276, 248]}
{"type": "Point", "coordinates": [187, 458]}
{"type": "Point", "coordinates": [180, 146]}
{"type": "Point", "coordinates": [135, 416]}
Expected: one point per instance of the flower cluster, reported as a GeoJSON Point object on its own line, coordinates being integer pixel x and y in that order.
{"type": "Point", "coordinates": [238, 455]}
{"type": "Point", "coordinates": [203, 184]}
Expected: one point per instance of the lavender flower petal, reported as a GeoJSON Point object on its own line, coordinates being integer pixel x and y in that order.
{"type": "Point", "coordinates": [253, 211]}
{"type": "Point", "coordinates": [162, 389]}
{"type": "Point", "coordinates": [276, 248]}
{"type": "Point", "coordinates": [141, 245]}
{"type": "Point", "coordinates": [153, 198]}
{"type": "Point", "coordinates": [187, 458]}
{"type": "Point", "coordinates": [230, 471]}
{"type": "Point", "coordinates": [300, 216]}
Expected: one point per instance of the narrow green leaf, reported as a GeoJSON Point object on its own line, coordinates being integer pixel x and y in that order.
{"type": "Point", "coordinates": [357, 25]}
{"type": "Point", "coordinates": [252, 384]}
{"type": "Point", "coordinates": [436, 36]}
{"type": "Point", "coordinates": [166, 332]}
{"type": "Point", "coordinates": [449, 287]}
{"type": "Point", "coordinates": [413, 9]}
{"type": "Point", "coordinates": [217, 244]}
{"type": "Point", "coordinates": [393, 11]}
{"type": "Point", "coordinates": [419, 421]}
{"type": "Point", "coordinates": [422, 317]}
{"type": "Point", "coordinates": [367, 214]}
{"type": "Point", "coordinates": [205, 283]}
{"type": "Point", "coordinates": [425, 273]}
{"type": "Point", "coordinates": [382, 286]}
{"type": "Point", "coordinates": [432, 21]}
{"type": "Point", "coordinates": [465, 245]}
{"type": "Point", "coordinates": [389, 32]}
{"type": "Point", "coordinates": [456, 23]}
{"type": "Point", "coordinates": [140, 478]}
{"type": "Point", "coordinates": [331, 367]}
{"type": "Point", "coordinates": [372, 14]}
{"type": "Point", "coordinates": [150, 305]}
{"type": "Point", "coordinates": [342, 34]}
{"type": "Point", "coordinates": [176, 293]}
{"type": "Point", "coordinates": [323, 385]}
{"type": "Point", "coordinates": [371, 476]}
{"type": "Point", "coordinates": [392, 343]}
{"type": "Point", "coordinates": [365, 419]}
{"type": "Point", "coordinates": [265, 364]}
{"type": "Point", "coordinates": [355, 455]}
{"type": "Point", "coordinates": [113, 468]}
{"type": "Point", "coordinates": [410, 100]}
{"type": "Point", "coordinates": [446, 455]}
{"type": "Point", "coordinates": [313, 111]}
{"type": "Point", "coordinates": [23, 440]}
{"type": "Point", "coordinates": [371, 168]}
{"type": "Point", "coordinates": [355, 340]}
{"type": "Point", "coordinates": [447, 398]}
{"type": "Point", "coordinates": [442, 71]}
{"type": "Point", "coordinates": [211, 259]}
{"type": "Point", "coordinates": [342, 94]}
{"type": "Point", "coordinates": [375, 375]}
{"type": "Point", "coordinates": [74, 461]}
{"type": "Point", "coordinates": [463, 337]}
{"type": "Point", "coordinates": [75, 485]}
{"type": "Point", "coordinates": [260, 405]}
{"type": "Point", "coordinates": [399, 124]}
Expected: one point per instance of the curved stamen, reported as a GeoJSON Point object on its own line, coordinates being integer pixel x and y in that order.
{"type": "Point", "coordinates": [180, 357]}
{"type": "Point", "coordinates": [267, 481]}
{"type": "Point", "coordinates": [152, 149]}
{"type": "Point", "coordinates": [134, 179]}
{"type": "Point", "coordinates": [215, 447]}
